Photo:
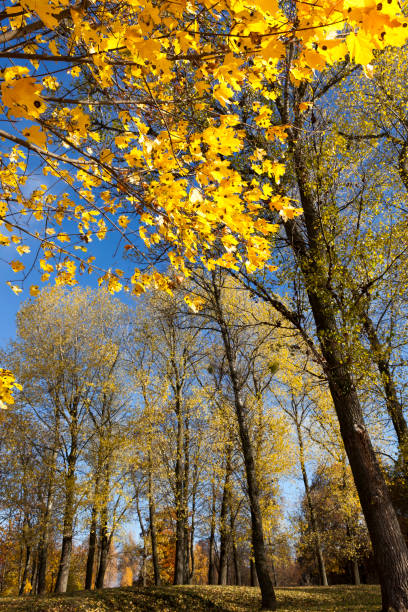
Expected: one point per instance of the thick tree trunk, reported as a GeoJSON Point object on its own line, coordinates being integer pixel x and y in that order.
{"type": "Point", "coordinates": [390, 550]}
{"type": "Point", "coordinates": [312, 516]}
{"type": "Point", "coordinates": [258, 544]}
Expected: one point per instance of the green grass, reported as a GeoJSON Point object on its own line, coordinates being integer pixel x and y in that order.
{"type": "Point", "coordinates": [200, 599]}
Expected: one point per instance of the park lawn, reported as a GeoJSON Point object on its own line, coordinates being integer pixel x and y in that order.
{"type": "Point", "coordinates": [199, 599]}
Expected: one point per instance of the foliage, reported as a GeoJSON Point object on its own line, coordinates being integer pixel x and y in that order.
{"type": "Point", "coordinates": [130, 109]}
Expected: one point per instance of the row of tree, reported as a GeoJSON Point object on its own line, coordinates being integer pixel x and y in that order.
{"type": "Point", "coordinates": [132, 414]}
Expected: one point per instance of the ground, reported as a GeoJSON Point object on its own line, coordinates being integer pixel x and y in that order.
{"type": "Point", "coordinates": [200, 599]}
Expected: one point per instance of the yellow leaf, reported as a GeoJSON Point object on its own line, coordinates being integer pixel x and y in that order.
{"type": "Point", "coordinates": [23, 248]}
{"type": "Point", "coordinates": [123, 221]}
{"type": "Point", "coordinates": [36, 135]}
{"type": "Point", "coordinates": [17, 265]}
{"type": "Point", "coordinates": [14, 288]}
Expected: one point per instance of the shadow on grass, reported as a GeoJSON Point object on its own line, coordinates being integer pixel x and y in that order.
{"type": "Point", "coordinates": [199, 599]}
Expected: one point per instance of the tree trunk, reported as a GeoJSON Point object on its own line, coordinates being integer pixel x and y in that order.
{"type": "Point", "coordinates": [312, 516]}
{"type": "Point", "coordinates": [252, 572]}
{"type": "Point", "coordinates": [66, 549]}
{"type": "Point", "coordinates": [152, 524]}
{"type": "Point", "coordinates": [237, 573]}
{"type": "Point", "coordinates": [69, 510]}
{"type": "Point", "coordinates": [224, 532]}
{"type": "Point", "coordinates": [104, 537]}
{"type": "Point", "coordinates": [390, 550]}
{"type": "Point", "coordinates": [34, 575]}
{"type": "Point", "coordinates": [394, 406]}
{"type": "Point", "coordinates": [64, 564]}
{"type": "Point", "coordinates": [45, 531]}
{"type": "Point", "coordinates": [103, 558]}
{"type": "Point", "coordinates": [90, 561]}
{"type": "Point", "coordinates": [179, 486]}
{"type": "Point", "coordinates": [25, 570]}
{"type": "Point", "coordinates": [211, 551]}
{"type": "Point", "coordinates": [356, 572]}
{"type": "Point", "coordinates": [261, 563]}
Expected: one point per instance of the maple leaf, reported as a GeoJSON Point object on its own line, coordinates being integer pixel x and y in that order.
{"type": "Point", "coordinates": [36, 135]}
{"type": "Point", "coordinates": [17, 265]}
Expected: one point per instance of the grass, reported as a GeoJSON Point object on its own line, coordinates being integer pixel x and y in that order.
{"type": "Point", "coordinates": [199, 599]}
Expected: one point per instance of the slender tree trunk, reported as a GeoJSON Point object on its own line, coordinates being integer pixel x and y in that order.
{"type": "Point", "coordinates": [390, 550]}
{"type": "Point", "coordinates": [211, 551]}
{"type": "Point", "coordinates": [185, 494]}
{"type": "Point", "coordinates": [394, 406]}
{"type": "Point", "coordinates": [90, 561]}
{"type": "Point", "coordinates": [224, 532]}
{"type": "Point", "coordinates": [43, 546]}
{"type": "Point", "coordinates": [46, 519]}
{"type": "Point", "coordinates": [237, 573]}
{"type": "Point", "coordinates": [25, 569]}
{"type": "Point", "coordinates": [103, 558]}
{"type": "Point", "coordinates": [261, 563]}
{"type": "Point", "coordinates": [356, 572]}
{"type": "Point", "coordinates": [312, 516]}
{"type": "Point", "coordinates": [92, 542]}
{"type": "Point", "coordinates": [275, 580]}
{"type": "Point", "coordinates": [34, 574]}
{"type": "Point", "coordinates": [104, 537]}
{"type": "Point", "coordinates": [152, 524]}
{"type": "Point", "coordinates": [179, 485]}
{"type": "Point", "coordinates": [192, 530]}
{"type": "Point", "coordinates": [252, 572]}
{"type": "Point", "coordinates": [66, 549]}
